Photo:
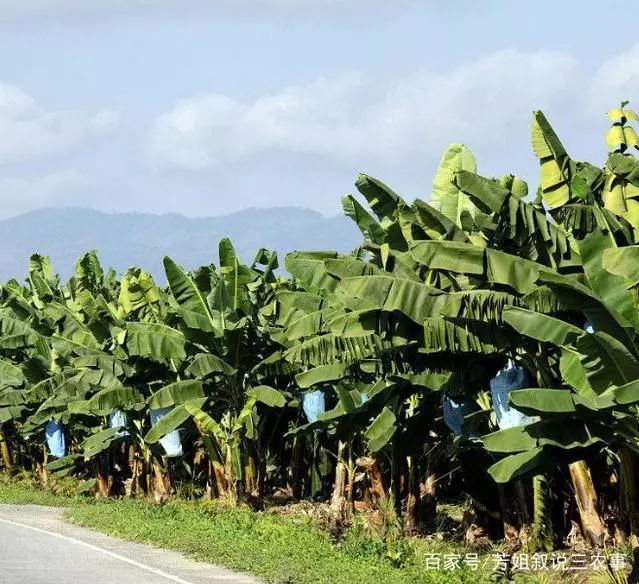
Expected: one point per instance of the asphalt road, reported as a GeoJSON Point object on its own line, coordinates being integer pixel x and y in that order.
{"type": "Point", "coordinates": [37, 547]}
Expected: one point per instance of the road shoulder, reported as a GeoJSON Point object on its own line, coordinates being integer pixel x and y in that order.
{"type": "Point", "coordinates": [154, 560]}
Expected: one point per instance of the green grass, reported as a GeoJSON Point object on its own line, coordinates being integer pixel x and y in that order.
{"type": "Point", "coordinates": [22, 489]}
{"type": "Point", "coordinates": [274, 547]}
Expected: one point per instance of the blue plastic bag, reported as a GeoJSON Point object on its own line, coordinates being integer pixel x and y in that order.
{"type": "Point", "coordinates": [54, 433]}
{"type": "Point", "coordinates": [171, 441]}
{"type": "Point", "coordinates": [508, 379]}
{"type": "Point", "coordinates": [116, 419]}
{"type": "Point", "coordinates": [313, 404]}
{"type": "Point", "coordinates": [455, 411]}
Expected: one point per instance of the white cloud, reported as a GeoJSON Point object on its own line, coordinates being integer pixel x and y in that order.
{"type": "Point", "coordinates": [18, 195]}
{"type": "Point", "coordinates": [616, 79]}
{"type": "Point", "coordinates": [30, 131]}
{"type": "Point", "coordinates": [10, 10]}
{"type": "Point", "coordinates": [354, 119]}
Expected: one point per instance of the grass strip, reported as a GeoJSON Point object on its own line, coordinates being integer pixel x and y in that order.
{"type": "Point", "coordinates": [287, 549]}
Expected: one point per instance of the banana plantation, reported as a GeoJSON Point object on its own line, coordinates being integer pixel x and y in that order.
{"type": "Point", "coordinates": [480, 346]}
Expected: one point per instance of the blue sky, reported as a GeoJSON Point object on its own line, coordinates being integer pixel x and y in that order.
{"type": "Point", "coordinates": [208, 107]}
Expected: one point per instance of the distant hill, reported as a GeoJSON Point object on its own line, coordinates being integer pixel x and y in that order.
{"type": "Point", "coordinates": [126, 239]}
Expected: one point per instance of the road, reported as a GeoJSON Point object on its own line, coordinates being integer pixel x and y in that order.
{"type": "Point", "coordinates": [37, 547]}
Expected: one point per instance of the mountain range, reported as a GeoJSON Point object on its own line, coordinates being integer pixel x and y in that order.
{"type": "Point", "coordinates": [141, 239]}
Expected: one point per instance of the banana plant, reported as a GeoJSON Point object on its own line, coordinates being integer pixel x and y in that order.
{"type": "Point", "coordinates": [578, 195]}
{"type": "Point", "coordinates": [364, 320]}
{"type": "Point", "coordinates": [219, 313]}
{"type": "Point", "coordinates": [504, 253]}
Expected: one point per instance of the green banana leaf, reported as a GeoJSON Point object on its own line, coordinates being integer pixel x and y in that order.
{"type": "Point", "coordinates": [447, 196]}
{"type": "Point", "coordinates": [156, 341]}
{"type": "Point", "coordinates": [175, 393]}
{"type": "Point", "coordinates": [173, 420]}
{"type": "Point", "coordinates": [193, 307]}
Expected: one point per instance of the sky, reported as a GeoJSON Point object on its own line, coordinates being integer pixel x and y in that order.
{"type": "Point", "coordinates": [206, 107]}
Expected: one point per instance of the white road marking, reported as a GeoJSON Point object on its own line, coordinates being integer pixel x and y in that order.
{"type": "Point", "coordinates": [113, 555]}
